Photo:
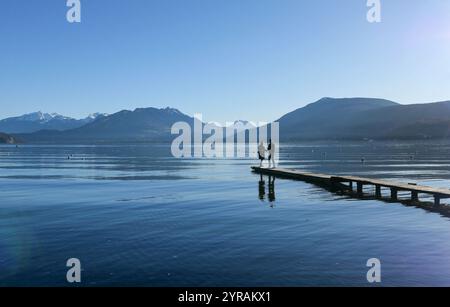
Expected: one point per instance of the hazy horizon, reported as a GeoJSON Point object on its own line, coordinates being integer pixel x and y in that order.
{"type": "Point", "coordinates": [206, 115]}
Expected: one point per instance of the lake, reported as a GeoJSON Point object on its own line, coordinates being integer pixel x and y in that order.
{"type": "Point", "coordinates": [135, 216]}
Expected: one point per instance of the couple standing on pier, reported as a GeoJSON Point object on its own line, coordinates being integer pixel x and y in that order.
{"type": "Point", "coordinates": [262, 153]}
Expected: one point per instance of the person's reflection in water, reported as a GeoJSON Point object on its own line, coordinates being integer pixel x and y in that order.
{"type": "Point", "coordinates": [271, 190]}
{"type": "Point", "coordinates": [262, 188]}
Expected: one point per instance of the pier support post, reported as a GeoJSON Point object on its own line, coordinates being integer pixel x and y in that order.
{"type": "Point", "coordinates": [437, 200]}
{"type": "Point", "coordinates": [360, 188]}
{"type": "Point", "coordinates": [378, 191]}
{"type": "Point", "coordinates": [394, 193]}
{"type": "Point", "coordinates": [350, 185]}
{"type": "Point", "coordinates": [414, 196]}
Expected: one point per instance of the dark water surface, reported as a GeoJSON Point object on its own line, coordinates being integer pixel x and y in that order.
{"type": "Point", "coordinates": [135, 216]}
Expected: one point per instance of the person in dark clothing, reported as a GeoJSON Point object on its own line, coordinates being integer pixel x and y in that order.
{"type": "Point", "coordinates": [261, 153]}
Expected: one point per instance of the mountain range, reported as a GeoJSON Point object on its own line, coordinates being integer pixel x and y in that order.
{"type": "Point", "coordinates": [143, 124]}
{"type": "Point", "coordinates": [366, 118]}
{"type": "Point", "coordinates": [36, 121]}
{"type": "Point", "coordinates": [325, 119]}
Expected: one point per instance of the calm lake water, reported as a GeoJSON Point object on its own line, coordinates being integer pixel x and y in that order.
{"type": "Point", "coordinates": [134, 216]}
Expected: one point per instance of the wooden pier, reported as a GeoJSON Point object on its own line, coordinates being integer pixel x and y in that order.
{"type": "Point", "coordinates": [352, 182]}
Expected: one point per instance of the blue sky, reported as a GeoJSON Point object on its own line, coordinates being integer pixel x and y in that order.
{"type": "Point", "coordinates": [227, 59]}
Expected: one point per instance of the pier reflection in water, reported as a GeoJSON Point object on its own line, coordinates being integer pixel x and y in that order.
{"type": "Point", "coordinates": [270, 190]}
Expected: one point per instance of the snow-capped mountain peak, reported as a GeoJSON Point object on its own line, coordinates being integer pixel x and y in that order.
{"type": "Point", "coordinates": [94, 116]}
{"type": "Point", "coordinates": [36, 116]}
{"type": "Point", "coordinates": [241, 122]}
{"type": "Point", "coordinates": [36, 121]}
